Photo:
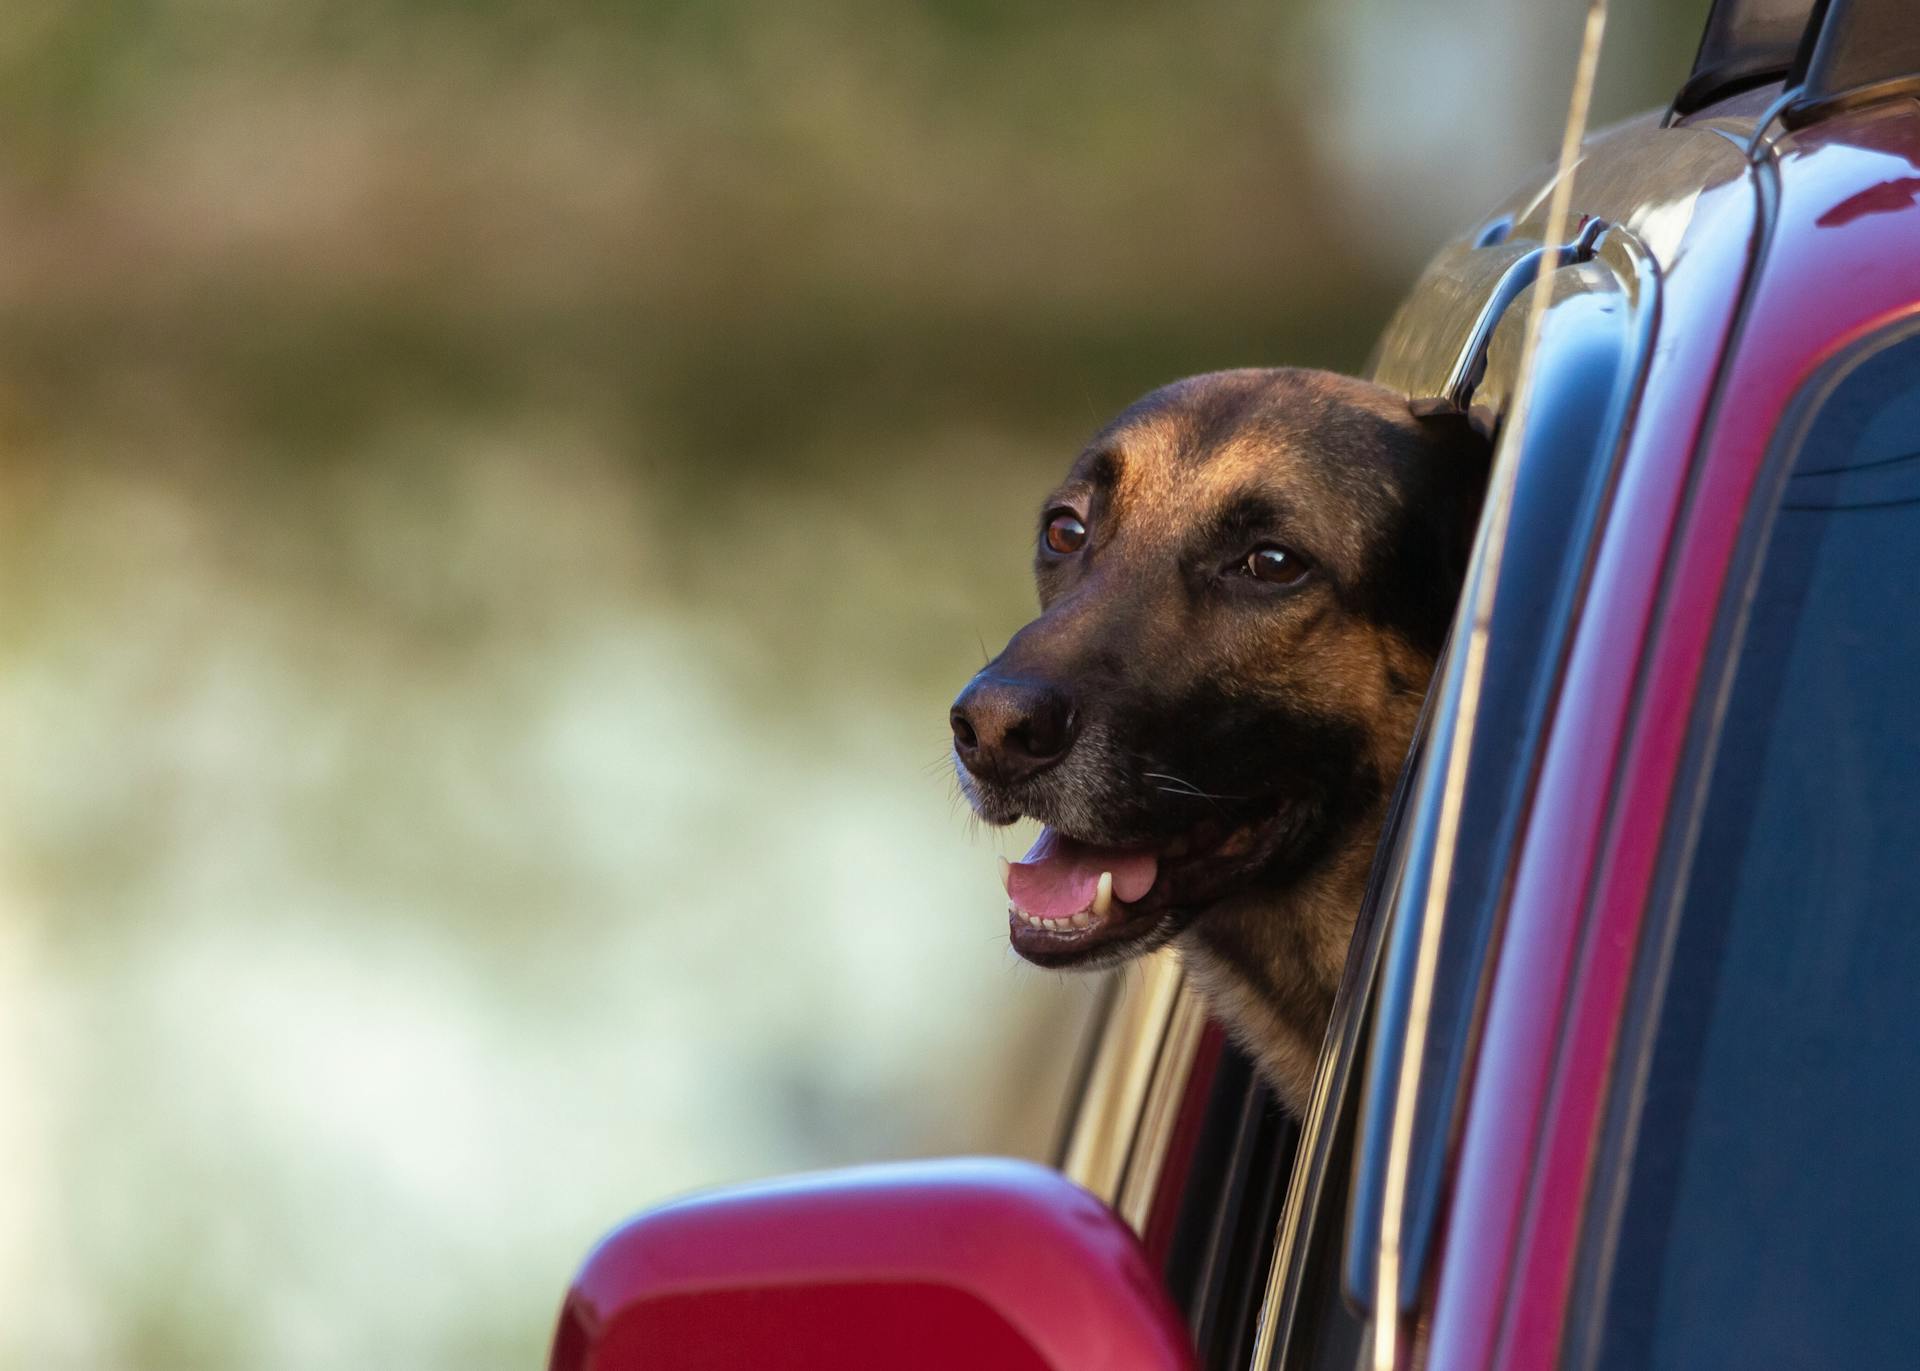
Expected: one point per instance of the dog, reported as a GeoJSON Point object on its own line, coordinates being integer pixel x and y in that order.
{"type": "Point", "coordinates": [1245, 582]}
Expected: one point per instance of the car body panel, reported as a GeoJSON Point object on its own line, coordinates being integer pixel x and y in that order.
{"type": "Point", "coordinates": [1826, 276]}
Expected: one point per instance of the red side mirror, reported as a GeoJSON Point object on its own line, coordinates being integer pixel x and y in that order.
{"type": "Point", "coordinates": [940, 1266]}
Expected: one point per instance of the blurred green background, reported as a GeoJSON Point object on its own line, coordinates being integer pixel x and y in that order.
{"type": "Point", "coordinates": [497, 497]}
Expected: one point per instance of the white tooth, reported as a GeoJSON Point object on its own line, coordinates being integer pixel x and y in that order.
{"type": "Point", "coordinates": [1006, 876]}
{"type": "Point", "coordinates": [1103, 896]}
{"type": "Point", "coordinates": [1083, 920]}
{"type": "Point", "coordinates": [1051, 923]}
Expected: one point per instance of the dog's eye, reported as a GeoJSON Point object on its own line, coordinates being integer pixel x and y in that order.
{"type": "Point", "coordinates": [1065, 533]}
{"type": "Point", "coordinates": [1274, 565]}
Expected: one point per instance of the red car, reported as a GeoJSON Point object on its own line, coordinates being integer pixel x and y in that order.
{"type": "Point", "coordinates": [1624, 1074]}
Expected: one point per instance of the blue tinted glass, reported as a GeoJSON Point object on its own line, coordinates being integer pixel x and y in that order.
{"type": "Point", "coordinates": [1773, 1217]}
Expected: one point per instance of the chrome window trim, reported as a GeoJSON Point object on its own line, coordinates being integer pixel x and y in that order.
{"type": "Point", "coordinates": [1160, 1108]}
{"type": "Point", "coordinates": [1141, 1043]}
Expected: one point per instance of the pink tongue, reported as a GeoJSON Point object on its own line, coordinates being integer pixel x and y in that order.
{"type": "Point", "coordinates": [1056, 879]}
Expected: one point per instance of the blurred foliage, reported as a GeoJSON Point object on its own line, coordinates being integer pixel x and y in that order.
{"type": "Point", "coordinates": [740, 231]}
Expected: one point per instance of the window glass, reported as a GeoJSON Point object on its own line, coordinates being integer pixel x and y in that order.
{"type": "Point", "coordinates": [1773, 1214]}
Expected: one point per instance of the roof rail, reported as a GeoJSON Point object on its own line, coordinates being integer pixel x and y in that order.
{"type": "Point", "coordinates": [1855, 52]}
{"type": "Point", "coordinates": [1745, 43]}
{"type": "Point", "coordinates": [1830, 54]}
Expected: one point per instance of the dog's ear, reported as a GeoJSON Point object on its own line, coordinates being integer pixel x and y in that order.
{"type": "Point", "coordinates": [1457, 440]}
{"type": "Point", "coordinates": [1462, 456]}
{"type": "Point", "coordinates": [1458, 461]}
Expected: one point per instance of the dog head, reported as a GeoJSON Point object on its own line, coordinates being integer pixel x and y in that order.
{"type": "Point", "coordinates": [1244, 582]}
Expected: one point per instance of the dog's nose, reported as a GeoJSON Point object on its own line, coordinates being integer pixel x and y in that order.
{"type": "Point", "coordinates": [1008, 730]}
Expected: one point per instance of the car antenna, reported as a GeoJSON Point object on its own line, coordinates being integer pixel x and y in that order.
{"type": "Point", "coordinates": [1479, 620]}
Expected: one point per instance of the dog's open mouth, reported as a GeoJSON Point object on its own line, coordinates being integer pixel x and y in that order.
{"type": "Point", "coordinates": [1069, 901]}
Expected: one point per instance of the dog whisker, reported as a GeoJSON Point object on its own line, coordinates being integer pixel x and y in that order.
{"type": "Point", "coordinates": [1188, 794]}
{"type": "Point", "coordinates": [1183, 787]}
{"type": "Point", "coordinates": [1196, 792]}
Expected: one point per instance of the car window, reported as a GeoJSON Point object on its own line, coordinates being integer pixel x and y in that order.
{"type": "Point", "coordinates": [1773, 1204]}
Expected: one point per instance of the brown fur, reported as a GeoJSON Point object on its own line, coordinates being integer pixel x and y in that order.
{"type": "Point", "coordinates": [1289, 708]}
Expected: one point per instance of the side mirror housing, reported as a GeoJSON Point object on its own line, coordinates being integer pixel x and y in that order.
{"type": "Point", "coordinates": [934, 1265]}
